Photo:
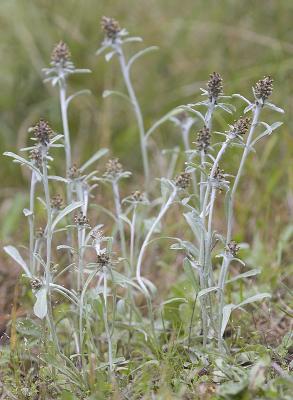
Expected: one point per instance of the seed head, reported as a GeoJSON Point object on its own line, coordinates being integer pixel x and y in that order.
{"type": "Point", "coordinates": [81, 219]}
{"type": "Point", "coordinates": [137, 196]}
{"type": "Point", "coordinates": [36, 283]}
{"type": "Point", "coordinates": [113, 168]}
{"type": "Point", "coordinates": [97, 235]}
{"type": "Point", "coordinates": [232, 248]}
{"type": "Point", "coordinates": [110, 27]}
{"type": "Point", "coordinates": [215, 86]}
{"type": "Point", "coordinates": [42, 132]}
{"type": "Point", "coordinates": [61, 54]}
{"type": "Point", "coordinates": [263, 88]}
{"type": "Point", "coordinates": [104, 260]}
{"type": "Point", "coordinates": [182, 181]}
{"type": "Point", "coordinates": [74, 172]}
{"type": "Point", "coordinates": [203, 139]}
{"type": "Point", "coordinates": [218, 174]}
{"type": "Point", "coordinates": [57, 202]}
{"type": "Point", "coordinates": [36, 156]}
{"type": "Point", "coordinates": [241, 126]}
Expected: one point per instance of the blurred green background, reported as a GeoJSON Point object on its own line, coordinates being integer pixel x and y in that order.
{"type": "Point", "coordinates": [243, 40]}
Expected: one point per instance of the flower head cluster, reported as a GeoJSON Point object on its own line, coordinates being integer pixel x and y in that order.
{"type": "Point", "coordinates": [203, 140]}
{"type": "Point", "coordinates": [36, 156]}
{"type": "Point", "coordinates": [97, 238]}
{"type": "Point", "coordinates": [241, 126]}
{"type": "Point", "coordinates": [136, 197]}
{"type": "Point", "coordinates": [114, 170]}
{"type": "Point", "coordinates": [36, 284]}
{"type": "Point", "coordinates": [263, 89]}
{"type": "Point", "coordinates": [42, 132]}
{"type": "Point", "coordinates": [232, 248]}
{"type": "Point", "coordinates": [110, 27]}
{"type": "Point", "coordinates": [218, 179]}
{"type": "Point", "coordinates": [182, 181]}
{"type": "Point", "coordinates": [104, 260]}
{"type": "Point", "coordinates": [113, 34]}
{"type": "Point", "coordinates": [61, 56]}
{"type": "Point", "coordinates": [74, 172]}
{"type": "Point", "coordinates": [57, 202]}
{"type": "Point", "coordinates": [81, 220]}
{"type": "Point", "coordinates": [215, 86]}
{"type": "Point", "coordinates": [61, 65]}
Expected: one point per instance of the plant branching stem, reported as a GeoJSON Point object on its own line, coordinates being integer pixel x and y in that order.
{"type": "Point", "coordinates": [32, 222]}
{"type": "Point", "coordinates": [162, 212]}
{"type": "Point", "coordinates": [118, 210]}
{"type": "Point", "coordinates": [67, 145]}
{"type": "Point", "coordinates": [48, 278]}
{"type": "Point", "coordinates": [226, 261]}
{"type": "Point", "coordinates": [106, 322]}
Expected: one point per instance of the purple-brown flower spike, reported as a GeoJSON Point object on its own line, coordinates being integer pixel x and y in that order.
{"type": "Point", "coordinates": [215, 86]}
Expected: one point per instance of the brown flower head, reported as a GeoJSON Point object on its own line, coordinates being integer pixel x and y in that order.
{"type": "Point", "coordinates": [203, 139]}
{"type": "Point", "coordinates": [110, 27]}
{"type": "Point", "coordinates": [218, 174]}
{"type": "Point", "coordinates": [104, 260]}
{"type": "Point", "coordinates": [74, 172]}
{"type": "Point", "coordinates": [241, 126]}
{"type": "Point", "coordinates": [36, 283]}
{"type": "Point", "coordinates": [57, 202]}
{"type": "Point", "coordinates": [43, 132]}
{"type": "Point", "coordinates": [81, 220]}
{"type": "Point", "coordinates": [137, 196]}
{"type": "Point", "coordinates": [113, 168]}
{"type": "Point", "coordinates": [182, 181]}
{"type": "Point", "coordinates": [263, 88]}
{"type": "Point", "coordinates": [61, 54]}
{"type": "Point", "coordinates": [232, 248]}
{"type": "Point", "coordinates": [215, 86]}
{"type": "Point", "coordinates": [36, 156]}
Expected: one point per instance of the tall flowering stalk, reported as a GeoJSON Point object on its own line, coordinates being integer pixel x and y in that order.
{"type": "Point", "coordinates": [262, 90]}
{"type": "Point", "coordinates": [115, 38]}
{"type": "Point", "coordinates": [61, 68]}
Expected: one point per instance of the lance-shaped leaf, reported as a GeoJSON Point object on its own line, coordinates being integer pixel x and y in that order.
{"type": "Point", "coordinates": [247, 274]}
{"type": "Point", "coordinates": [108, 93]}
{"type": "Point", "coordinates": [165, 118]}
{"type": "Point", "coordinates": [67, 210]}
{"type": "Point", "coordinates": [41, 307]}
{"type": "Point", "coordinates": [14, 253]}
{"type": "Point", "coordinates": [100, 153]}
{"type": "Point", "coordinates": [204, 292]}
{"type": "Point", "coordinates": [227, 310]}
{"type": "Point", "coordinates": [139, 54]}
{"type": "Point", "coordinates": [23, 161]}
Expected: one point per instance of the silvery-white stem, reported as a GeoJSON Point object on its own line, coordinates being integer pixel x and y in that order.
{"type": "Point", "coordinates": [106, 323]}
{"type": "Point", "coordinates": [32, 222]}
{"type": "Point", "coordinates": [67, 146]}
{"type": "Point", "coordinates": [185, 135]}
{"type": "Point", "coordinates": [132, 236]}
{"type": "Point", "coordinates": [226, 260]}
{"type": "Point", "coordinates": [48, 278]}
{"type": "Point", "coordinates": [118, 210]}
{"type": "Point", "coordinates": [137, 111]}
